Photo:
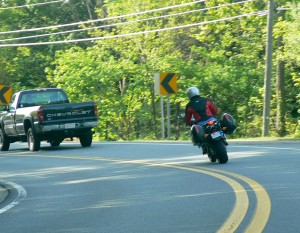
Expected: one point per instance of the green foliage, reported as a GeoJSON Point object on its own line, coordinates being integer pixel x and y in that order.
{"type": "Point", "coordinates": [225, 59]}
{"type": "Point", "coordinates": [291, 54]}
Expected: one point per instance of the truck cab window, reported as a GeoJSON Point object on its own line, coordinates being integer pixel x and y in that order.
{"type": "Point", "coordinates": [26, 101]}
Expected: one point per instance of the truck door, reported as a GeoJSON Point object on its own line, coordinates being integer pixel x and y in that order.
{"type": "Point", "coordinates": [23, 109]}
{"type": "Point", "coordinates": [9, 118]}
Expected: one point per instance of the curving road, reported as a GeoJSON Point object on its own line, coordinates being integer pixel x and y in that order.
{"type": "Point", "coordinates": [150, 187]}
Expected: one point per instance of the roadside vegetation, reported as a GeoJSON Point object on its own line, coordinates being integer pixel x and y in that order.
{"type": "Point", "coordinates": [218, 46]}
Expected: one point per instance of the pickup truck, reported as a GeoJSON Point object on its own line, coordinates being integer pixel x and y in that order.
{"type": "Point", "coordinates": [45, 114]}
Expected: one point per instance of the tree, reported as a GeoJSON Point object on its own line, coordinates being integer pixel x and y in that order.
{"type": "Point", "coordinates": [24, 67]}
{"type": "Point", "coordinates": [224, 56]}
{"type": "Point", "coordinates": [292, 57]}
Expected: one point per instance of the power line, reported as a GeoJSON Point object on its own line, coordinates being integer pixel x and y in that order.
{"type": "Point", "coordinates": [286, 9]}
{"type": "Point", "coordinates": [128, 22]}
{"type": "Point", "coordinates": [258, 13]}
{"type": "Point", "coordinates": [31, 5]}
{"type": "Point", "coordinates": [105, 19]}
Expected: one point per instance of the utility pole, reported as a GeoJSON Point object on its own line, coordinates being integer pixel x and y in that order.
{"type": "Point", "coordinates": [268, 71]}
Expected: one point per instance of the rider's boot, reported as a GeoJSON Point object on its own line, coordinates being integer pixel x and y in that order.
{"type": "Point", "coordinates": [204, 149]}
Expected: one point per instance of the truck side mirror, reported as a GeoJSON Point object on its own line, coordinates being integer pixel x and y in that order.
{"type": "Point", "coordinates": [11, 109]}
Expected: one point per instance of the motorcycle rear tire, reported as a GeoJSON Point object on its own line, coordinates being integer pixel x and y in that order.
{"type": "Point", "coordinates": [221, 151]}
{"type": "Point", "coordinates": [211, 154]}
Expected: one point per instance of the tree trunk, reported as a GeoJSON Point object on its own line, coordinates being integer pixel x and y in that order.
{"type": "Point", "coordinates": [280, 90]}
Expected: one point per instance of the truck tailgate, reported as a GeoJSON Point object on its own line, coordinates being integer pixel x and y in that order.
{"type": "Point", "coordinates": [70, 112]}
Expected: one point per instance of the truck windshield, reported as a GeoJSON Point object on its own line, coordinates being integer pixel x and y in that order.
{"type": "Point", "coordinates": [42, 98]}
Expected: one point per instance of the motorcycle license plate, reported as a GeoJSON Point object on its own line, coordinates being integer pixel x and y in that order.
{"type": "Point", "coordinates": [216, 135]}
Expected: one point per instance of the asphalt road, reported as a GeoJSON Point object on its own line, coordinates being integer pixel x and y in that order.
{"type": "Point", "coordinates": [150, 187]}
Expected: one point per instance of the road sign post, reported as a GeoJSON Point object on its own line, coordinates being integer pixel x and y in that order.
{"type": "Point", "coordinates": [162, 117]}
{"type": "Point", "coordinates": [169, 117]}
{"type": "Point", "coordinates": [165, 84]}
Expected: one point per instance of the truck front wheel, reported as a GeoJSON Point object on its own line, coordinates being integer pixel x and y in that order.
{"type": "Point", "coordinates": [4, 141]}
{"type": "Point", "coordinates": [34, 142]}
{"type": "Point", "coordinates": [86, 139]}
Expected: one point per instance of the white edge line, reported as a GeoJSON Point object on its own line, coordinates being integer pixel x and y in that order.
{"type": "Point", "coordinates": [21, 195]}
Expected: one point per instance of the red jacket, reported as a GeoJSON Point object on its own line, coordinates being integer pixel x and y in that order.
{"type": "Point", "coordinates": [201, 108]}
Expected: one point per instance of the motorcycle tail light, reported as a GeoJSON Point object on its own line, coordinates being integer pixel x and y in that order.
{"type": "Point", "coordinates": [210, 122]}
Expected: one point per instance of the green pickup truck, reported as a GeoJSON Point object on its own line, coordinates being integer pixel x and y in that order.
{"type": "Point", "coordinates": [46, 115]}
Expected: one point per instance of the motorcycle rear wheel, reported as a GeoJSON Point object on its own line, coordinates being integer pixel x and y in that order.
{"type": "Point", "coordinates": [221, 152]}
{"type": "Point", "coordinates": [211, 153]}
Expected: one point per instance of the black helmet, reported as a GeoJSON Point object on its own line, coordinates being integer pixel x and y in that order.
{"type": "Point", "coordinates": [192, 91]}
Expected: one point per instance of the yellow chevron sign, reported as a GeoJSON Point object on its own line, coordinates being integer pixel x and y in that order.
{"type": "Point", "coordinates": [5, 94]}
{"type": "Point", "coordinates": [165, 83]}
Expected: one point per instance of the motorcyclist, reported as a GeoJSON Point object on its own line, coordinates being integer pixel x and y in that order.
{"type": "Point", "coordinates": [199, 108]}
{"type": "Point", "coordinates": [202, 109]}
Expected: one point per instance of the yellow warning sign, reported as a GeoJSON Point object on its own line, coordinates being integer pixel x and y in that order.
{"type": "Point", "coordinates": [5, 94]}
{"type": "Point", "coordinates": [165, 83]}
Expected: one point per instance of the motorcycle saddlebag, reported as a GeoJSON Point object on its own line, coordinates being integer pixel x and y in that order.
{"type": "Point", "coordinates": [197, 135]}
{"type": "Point", "coordinates": [228, 123]}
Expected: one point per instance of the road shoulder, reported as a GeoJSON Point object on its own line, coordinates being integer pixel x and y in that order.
{"type": "Point", "coordinates": [3, 193]}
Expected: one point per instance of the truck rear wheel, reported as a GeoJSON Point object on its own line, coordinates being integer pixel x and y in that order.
{"type": "Point", "coordinates": [86, 139]}
{"type": "Point", "coordinates": [34, 142]}
{"type": "Point", "coordinates": [4, 141]}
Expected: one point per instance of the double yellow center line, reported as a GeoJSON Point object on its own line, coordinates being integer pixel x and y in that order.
{"type": "Point", "coordinates": [263, 203]}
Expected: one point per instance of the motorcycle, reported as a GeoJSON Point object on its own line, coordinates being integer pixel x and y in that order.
{"type": "Point", "coordinates": [211, 137]}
